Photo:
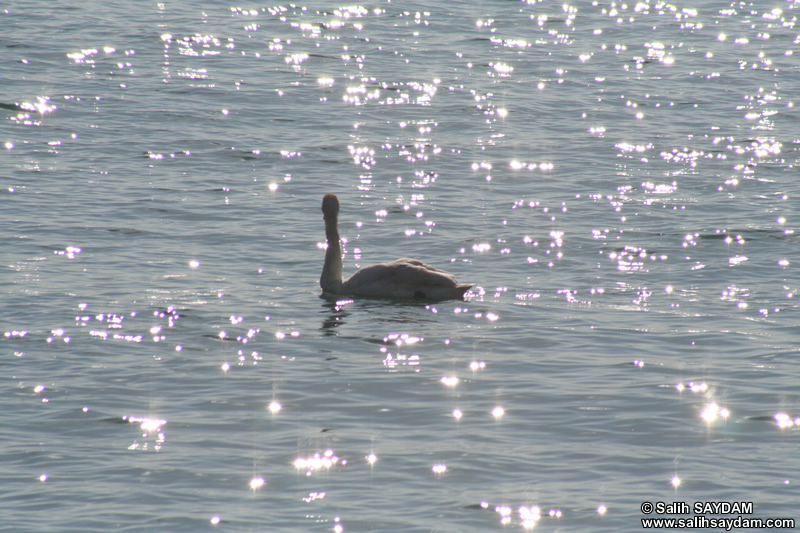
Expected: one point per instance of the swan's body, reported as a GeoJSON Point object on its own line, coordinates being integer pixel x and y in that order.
{"type": "Point", "coordinates": [403, 278]}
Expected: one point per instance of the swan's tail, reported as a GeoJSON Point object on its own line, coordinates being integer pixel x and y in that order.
{"type": "Point", "coordinates": [462, 288]}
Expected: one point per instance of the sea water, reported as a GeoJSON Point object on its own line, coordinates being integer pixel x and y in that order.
{"type": "Point", "coordinates": [618, 179]}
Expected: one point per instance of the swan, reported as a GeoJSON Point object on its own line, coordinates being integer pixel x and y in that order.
{"type": "Point", "coordinates": [403, 278]}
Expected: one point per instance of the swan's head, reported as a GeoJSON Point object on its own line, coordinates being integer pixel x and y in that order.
{"type": "Point", "coordinates": [330, 206]}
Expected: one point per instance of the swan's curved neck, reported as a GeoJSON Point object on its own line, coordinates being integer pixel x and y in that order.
{"type": "Point", "coordinates": [331, 279]}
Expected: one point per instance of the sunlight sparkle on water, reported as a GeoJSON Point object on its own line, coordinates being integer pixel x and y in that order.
{"type": "Point", "coordinates": [450, 381]}
{"type": "Point", "coordinates": [256, 483]}
{"type": "Point", "coordinates": [505, 513]}
{"type": "Point", "coordinates": [439, 469]}
{"type": "Point", "coordinates": [314, 496]}
{"type": "Point", "coordinates": [70, 251]}
{"type": "Point", "coordinates": [601, 509]}
{"type": "Point", "coordinates": [530, 515]}
{"type": "Point", "coordinates": [274, 407]}
{"type": "Point", "coordinates": [712, 411]}
{"type": "Point", "coordinates": [147, 424]}
{"type": "Point", "coordinates": [676, 481]}
{"type": "Point", "coordinates": [457, 414]}
{"type": "Point", "coordinates": [404, 338]}
{"type": "Point", "coordinates": [194, 264]}
{"type": "Point", "coordinates": [498, 412]}
{"type": "Point", "coordinates": [694, 387]}
{"type": "Point", "coordinates": [372, 458]}
{"type": "Point", "coordinates": [318, 461]}
{"type": "Point", "coordinates": [785, 421]}
{"type": "Point", "coordinates": [215, 520]}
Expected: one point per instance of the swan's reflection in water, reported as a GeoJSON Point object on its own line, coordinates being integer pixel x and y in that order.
{"type": "Point", "coordinates": [333, 310]}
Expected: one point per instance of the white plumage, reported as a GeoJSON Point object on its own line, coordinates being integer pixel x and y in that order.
{"type": "Point", "coordinates": [403, 278]}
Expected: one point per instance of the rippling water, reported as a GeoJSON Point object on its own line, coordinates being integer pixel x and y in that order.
{"type": "Point", "coordinates": [619, 180]}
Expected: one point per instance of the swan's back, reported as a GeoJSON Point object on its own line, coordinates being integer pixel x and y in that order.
{"type": "Point", "coordinates": [405, 278]}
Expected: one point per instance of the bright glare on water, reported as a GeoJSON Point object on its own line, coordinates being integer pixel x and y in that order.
{"type": "Point", "coordinates": [619, 180]}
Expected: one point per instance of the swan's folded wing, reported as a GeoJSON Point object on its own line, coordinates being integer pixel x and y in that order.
{"type": "Point", "coordinates": [405, 278]}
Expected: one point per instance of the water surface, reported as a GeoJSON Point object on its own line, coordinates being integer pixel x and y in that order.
{"type": "Point", "coordinates": [619, 180]}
